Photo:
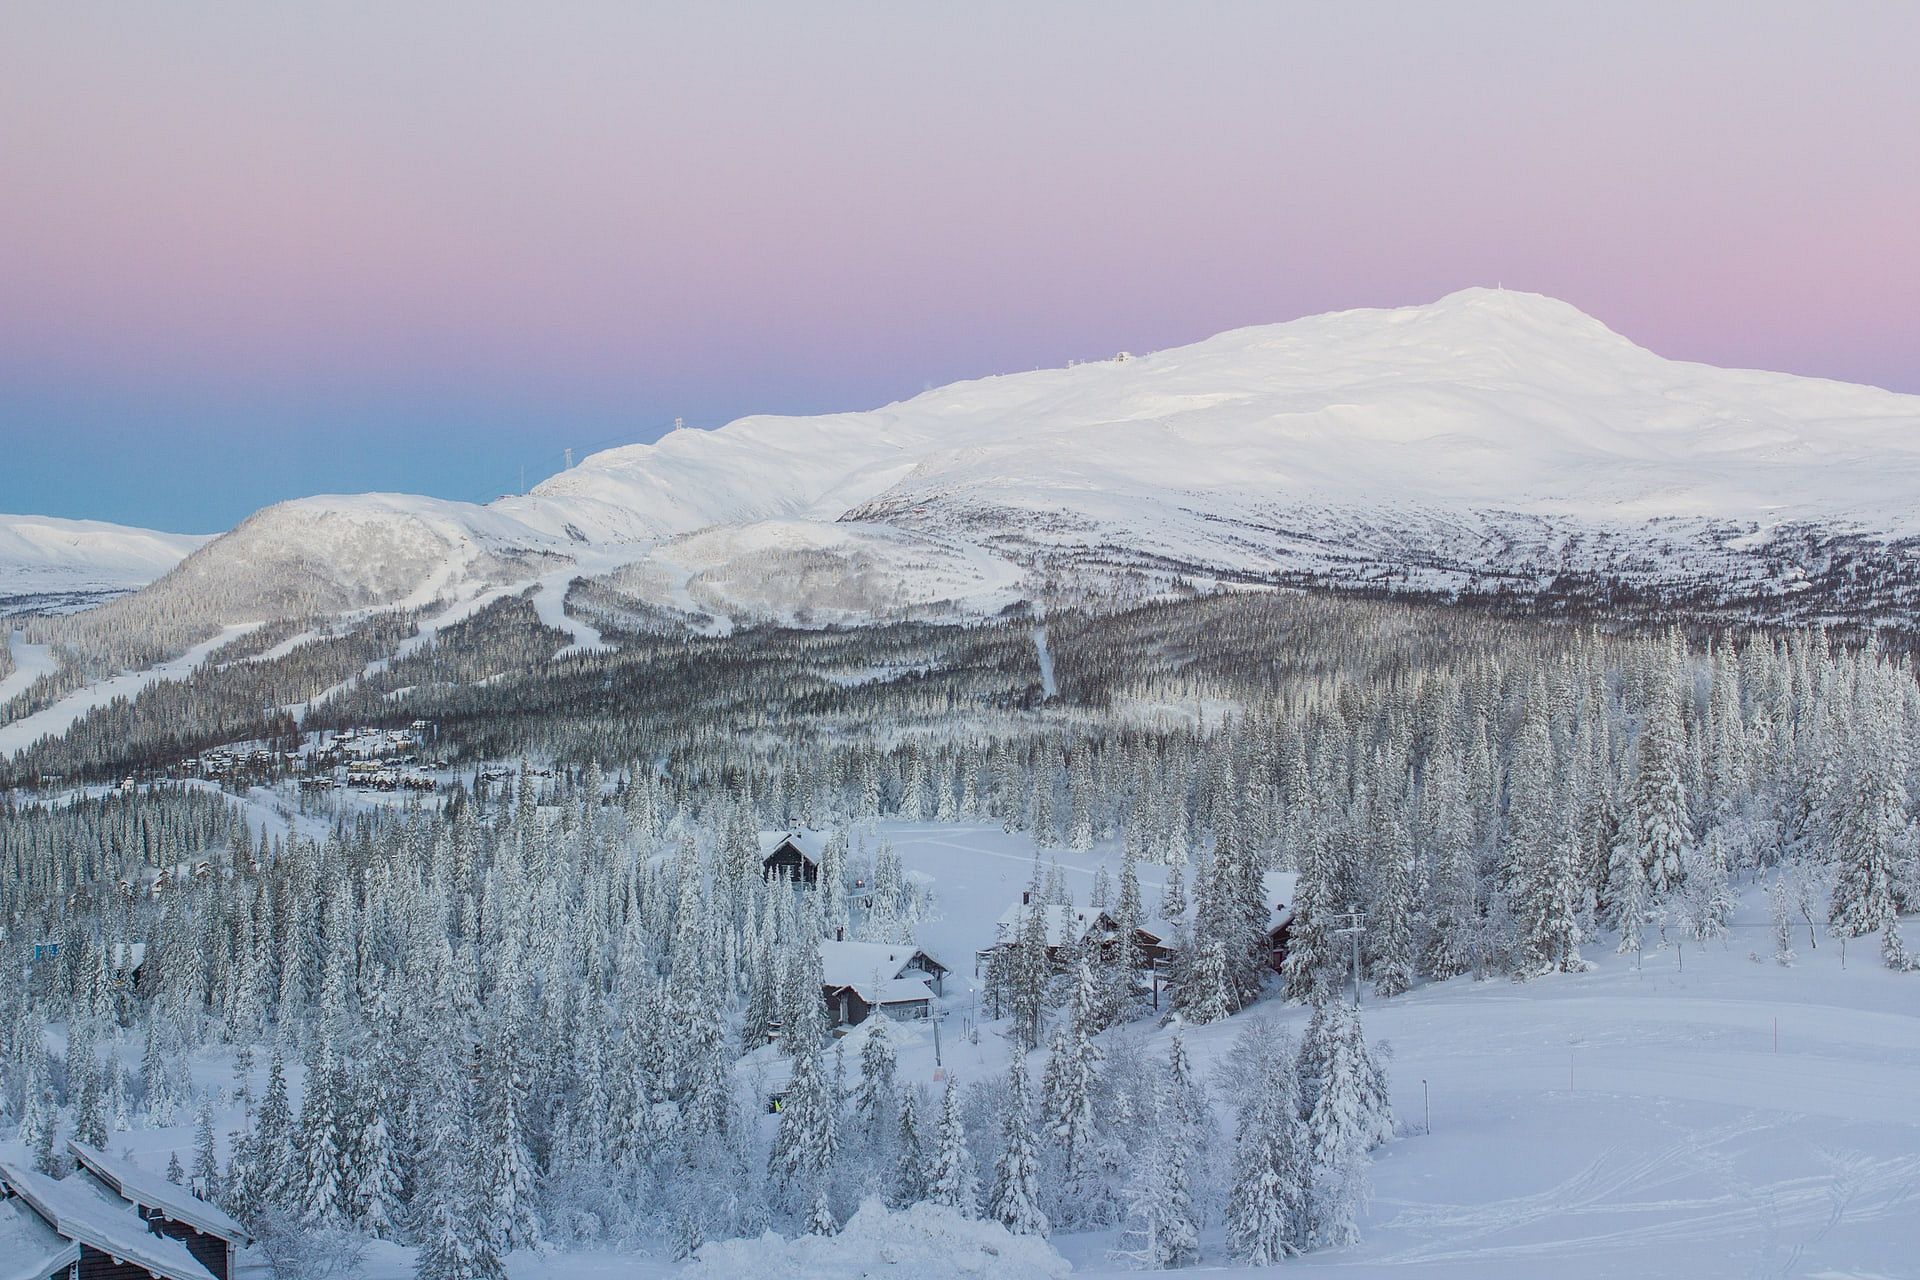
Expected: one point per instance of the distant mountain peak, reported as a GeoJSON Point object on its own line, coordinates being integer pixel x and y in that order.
{"type": "Point", "coordinates": [42, 555]}
{"type": "Point", "coordinates": [1337, 446]}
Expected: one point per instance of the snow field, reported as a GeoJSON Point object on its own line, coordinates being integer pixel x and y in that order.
{"type": "Point", "coordinates": [1617, 1122]}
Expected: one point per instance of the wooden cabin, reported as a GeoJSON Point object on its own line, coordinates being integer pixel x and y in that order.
{"type": "Point", "coordinates": [901, 999]}
{"type": "Point", "coordinates": [209, 1234]}
{"type": "Point", "coordinates": [104, 1237]}
{"type": "Point", "coordinates": [859, 979]}
{"type": "Point", "coordinates": [792, 855]}
{"type": "Point", "coordinates": [1281, 887]}
{"type": "Point", "coordinates": [1068, 928]}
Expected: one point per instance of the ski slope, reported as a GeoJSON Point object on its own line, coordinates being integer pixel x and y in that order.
{"type": "Point", "coordinates": [20, 734]}
{"type": "Point", "coordinates": [30, 663]}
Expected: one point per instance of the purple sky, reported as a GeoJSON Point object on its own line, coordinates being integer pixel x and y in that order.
{"type": "Point", "coordinates": [250, 251]}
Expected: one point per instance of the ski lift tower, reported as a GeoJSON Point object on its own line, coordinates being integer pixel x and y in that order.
{"type": "Point", "coordinates": [1352, 924]}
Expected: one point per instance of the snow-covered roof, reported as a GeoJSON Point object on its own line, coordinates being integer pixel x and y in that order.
{"type": "Point", "coordinates": [890, 991]}
{"type": "Point", "coordinates": [1065, 924]}
{"type": "Point", "coordinates": [811, 844]}
{"type": "Point", "coordinates": [849, 964]}
{"type": "Point", "coordinates": [29, 1248]}
{"type": "Point", "coordinates": [81, 1209]}
{"type": "Point", "coordinates": [1280, 886]}
{"type": "Point", "coordinates": [141, 1186]}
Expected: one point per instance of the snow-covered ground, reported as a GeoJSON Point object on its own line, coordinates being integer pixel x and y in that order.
{"type": "Point", "coordinates": [1624, 1123]}
{"type": "Point", "coordinates": [1708, 1112]}
{"type": "Point", "coordinates": [30, 663]}
{"type": "Point", "coordinates": [550, 604]}
{"type": "Point", "coordinates": [1630, 1121]}
{"type": "Point", "coordinates": [1705, 1113]}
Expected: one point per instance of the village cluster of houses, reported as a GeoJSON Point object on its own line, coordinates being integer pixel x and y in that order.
{"type": "Point", "coordinates": [235, 766]}
{"type": "Point", "coordinates": [861, 979]}
{"type": "Point", "coordinates": [110, 1220]}
{"type": "Point", "coordinates": [362, 758]}
{"type": "Point", "coordinates": [372, 760]}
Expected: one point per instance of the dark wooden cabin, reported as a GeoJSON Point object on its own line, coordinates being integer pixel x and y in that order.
{"type": "Point", "coordinates": [112, 1241]}
{"type": "Point", "coordinates": [208, 1232]}
{"type": "Point", "coordinates": [792, 856]}
{"type": "Point", "coordinates": [902, 999]}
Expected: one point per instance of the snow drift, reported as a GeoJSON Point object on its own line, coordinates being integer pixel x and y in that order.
{"type": "Point", "coordinates": [923, 1242]}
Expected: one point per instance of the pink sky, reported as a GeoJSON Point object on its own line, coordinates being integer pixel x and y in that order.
{"type": "Point", "coordinates": [518, 227]}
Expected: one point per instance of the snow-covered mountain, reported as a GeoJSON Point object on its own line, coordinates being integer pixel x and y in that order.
{"type": "Point", "coordinates": [1488, 441]}
{"type": "Point", "coordinates": [45, 558]}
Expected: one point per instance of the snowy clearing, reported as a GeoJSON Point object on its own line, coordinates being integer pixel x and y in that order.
{"type": "Point", "coordinates": [30, 662]}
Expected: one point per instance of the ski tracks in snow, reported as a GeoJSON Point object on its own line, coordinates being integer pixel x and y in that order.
{"type": "Point", "coordinates": [1766, 1217]}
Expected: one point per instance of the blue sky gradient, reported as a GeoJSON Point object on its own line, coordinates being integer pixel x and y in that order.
{"type": "Point", "coordinates": [252, 252]}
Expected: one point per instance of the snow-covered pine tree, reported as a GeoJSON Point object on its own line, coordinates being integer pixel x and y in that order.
{"type": "Point", "coordinates": [951, 1179]}
{"type": "Point", "coordinates": [876, 1105]}
{"type": "Point", "coordinates": [1452, 922]}
{"type": "Point", "coordinates": [206, 1165]}
{"type": "Point", "coordinates": [807, 1140]}
{"type": "Point", "coordinates": [1630, 896]}
{"type": "Point", "coordinates": [1129, 913]}
{"type": "Point", "coordinates": [456, 1242]}
{"type": "Point", "coordinates": [506, 1167]}
{"type": "Point", "coordinates": [1541, 871]}
{"type": "Point", "coordinates": [1014, 1200]}
{"type": "Point", "coordinates": [1779, 909]}
{"type": "Point", "coordinates": [1159, 1230]}
{"type": "Point", "coordinates": [1073, 1073]}
{"type": "Point", "coordinates": [1706, 894]}
{"type": "Point", "coordinates": [1389, 918]}
{"type": "Point", "coordinates": [320, 1197]}
{"type": "Point", "coordinates": [1871, 834]}
{"type": "Point", "coordinates": [1267, 1204]}
{"type": "Point", "coordinates": [1349, 1116]}
{"type": "Point", "coordinates": [912, 1178]}
{"type": "Point", "coordinates": [1657, 804]}
{"type": "Point", "coordinates": [374, 1169]}
{"type": "Point", "coordinates": [1029, 972]}
{"type": "Point", "coordinates": [1312, 966]}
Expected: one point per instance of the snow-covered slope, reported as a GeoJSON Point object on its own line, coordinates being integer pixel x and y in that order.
{"type": "Point", "coordinates": [46, 556]}
{"type": "Point", "coordinates": [1490, 439]}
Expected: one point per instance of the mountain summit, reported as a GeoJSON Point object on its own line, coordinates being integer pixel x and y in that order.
{"type": "Point", "coordinates": [1489, 441]}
